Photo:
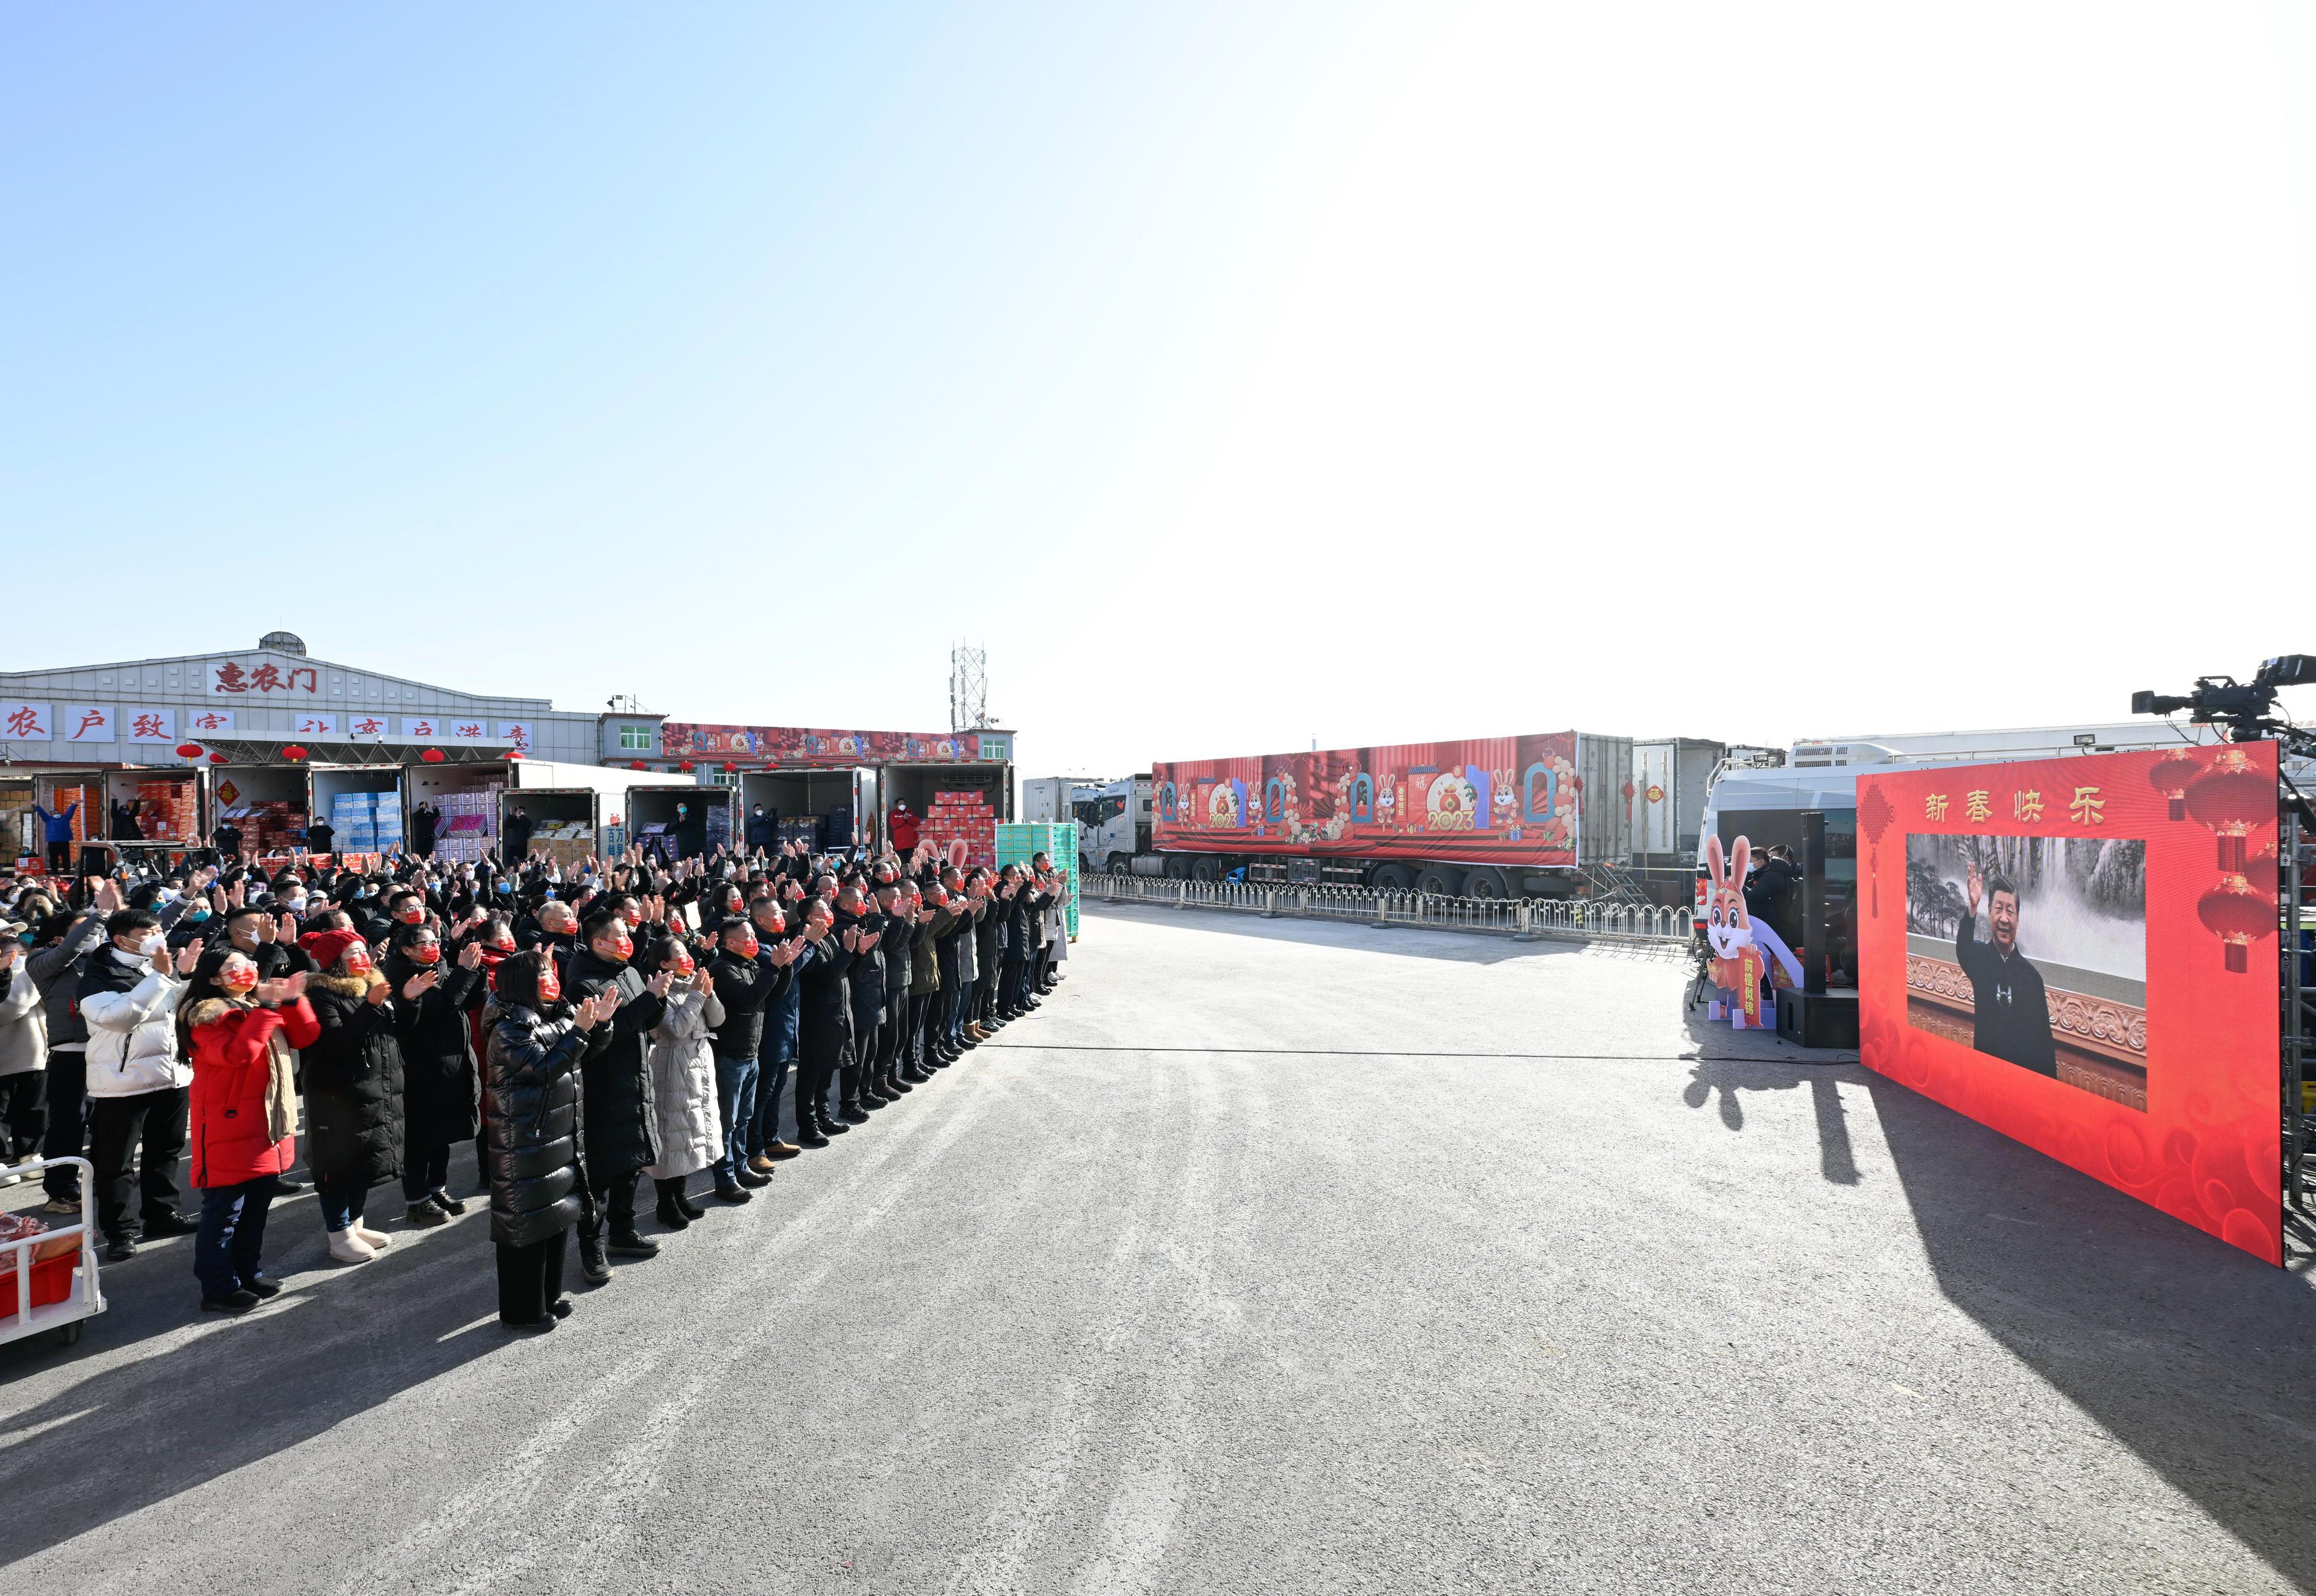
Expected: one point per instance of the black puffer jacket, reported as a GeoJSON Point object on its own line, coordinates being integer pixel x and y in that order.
{"type": "Point", "coordinates": [899, 938]}
{"type": "Point", "coordinates": [354, 1083]}
{"type": "Point", "coordinates": [531, 1088]}
{"type": "Point", "coordinates": [438, 1054]}
{"type": "Point", "coordinates": [866, 976]}
{"type": "Point", "coordinates": [824, 1017]}
{"type": "Point", "coordinates": [747, 988]}
{"type": "Point", "coordinates": [622, 1127]}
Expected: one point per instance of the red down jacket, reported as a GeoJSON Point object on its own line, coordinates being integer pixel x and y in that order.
{"type": "Point", "coordinates": [233, 1066]}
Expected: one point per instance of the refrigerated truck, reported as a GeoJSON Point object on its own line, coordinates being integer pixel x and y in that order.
{"type": "Point", "coordinates": [1113, 819]}
{"type": "Point", "coordinates": [1672, 777]}
{"type": "Point", "coordinates": [707, 821]}
{"type": "Point", "coordinates": [1516, 816]}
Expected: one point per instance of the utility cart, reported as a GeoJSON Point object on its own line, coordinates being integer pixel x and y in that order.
{"type": "Point", "coordinates": [40, 1294]}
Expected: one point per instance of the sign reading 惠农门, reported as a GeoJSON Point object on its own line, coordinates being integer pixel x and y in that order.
{"type": "Point", "coordinates": [263, 678]}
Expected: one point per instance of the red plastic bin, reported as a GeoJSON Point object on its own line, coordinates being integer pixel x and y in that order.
{"type": "Point", "coordinates": [51, 1283]}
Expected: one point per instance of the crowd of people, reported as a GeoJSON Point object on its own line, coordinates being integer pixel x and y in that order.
{"type": "Point", "coordinates": [585, 1029]}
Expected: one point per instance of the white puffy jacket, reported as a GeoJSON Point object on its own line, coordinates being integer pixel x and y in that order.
{"type": "Point", "coordinates": [683, 1084]}
{"type": "Point", "coordinates": [132, 1038]}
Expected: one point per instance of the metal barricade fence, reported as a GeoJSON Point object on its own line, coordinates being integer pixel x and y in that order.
{"type": "Point", "coordinates": [1523, 918]}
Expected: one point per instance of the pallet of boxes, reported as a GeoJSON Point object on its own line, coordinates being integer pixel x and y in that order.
{"type": "Point", "coordinates": [470, 825]}
{"type": "Point", "coordinates": [367, 823]}
{"type": "Point", "coordinates": [1019, 844]}
{"type": "Point", "coordinates": [962, 828]}
{"type": "Point", "coordinates": [267, 825]}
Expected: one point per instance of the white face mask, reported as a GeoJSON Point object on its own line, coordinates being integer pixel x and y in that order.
{"type": "Point", "coordinates": [152, 945]}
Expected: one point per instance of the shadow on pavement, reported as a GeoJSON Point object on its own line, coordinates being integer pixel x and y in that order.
{"type": "Point", "coordinates": [132, 1435]}
{"type": "Point", "coordinates": [1730, 1077]}
{"type": "Point", "coordinates": [2191, 1354]}
{"type": "Point", "coordinates": [1464, 947]}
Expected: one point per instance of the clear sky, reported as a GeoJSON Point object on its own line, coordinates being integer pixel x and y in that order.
{"type": "Point", "coordinates": [1239, 374]}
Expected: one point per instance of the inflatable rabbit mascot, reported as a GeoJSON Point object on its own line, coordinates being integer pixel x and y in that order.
{"type": "Point", "coordinates": [1737, 962]}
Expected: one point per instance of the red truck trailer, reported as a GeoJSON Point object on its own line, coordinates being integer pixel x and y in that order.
{"type": "Point", "coordinates": [1516, 816]}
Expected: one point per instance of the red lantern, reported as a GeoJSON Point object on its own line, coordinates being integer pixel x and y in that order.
{"type": "Point", "coordinates": [2235, 799]}
{"type": "Point", "coordinates": [731, 767]}
{"type": "Point", "coordinates": [2239, 916]}
{"type": "Point", "coordinates": [2170, 775]}
{"type": "Point", "coordinates": [215, 758]}
{"type": "Point", "coordinates": [685, 767]}
{"type": "Point", "coordinates": [636, 764]}
{"type": "Point", "coordinates": [432, 756]}
{"type": "Point", "coordinates": [189, 751]}
{"type": "Point", "coordinates": [293, 752]}
{"type": "Point", "coordinates": [514, 753]}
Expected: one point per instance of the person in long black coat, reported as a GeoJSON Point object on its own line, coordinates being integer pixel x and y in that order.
{"type": "Point", "coordinates": [621, 1123]}
{"type": "Point", "coordinates": [532, 1084]}
{"type": "Point", "coordinates": [438, 1066]}
{"type": "Point", "coordinates": [823, 1021]}
{"type": "Point", "coordinates": [353, 1088]}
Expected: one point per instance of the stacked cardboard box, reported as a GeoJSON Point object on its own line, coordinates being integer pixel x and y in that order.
{"type": "Point", "coordinates": [267, 825]}
{"type": "Point", "coordinates": [961, 818]}
{"type": "Point", "coordinates": [367, 822]}
{"type": "Point", "coordinates": [1019, 844]}
{"type": "Point", "coordinates": [470, 825]}
{"type": "Point", "coordinates": [166, 811]}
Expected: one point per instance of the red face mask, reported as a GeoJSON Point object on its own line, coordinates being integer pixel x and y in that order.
{"type": "Point", "coordinates": [748, 945]}
{"type": "Point", "coordinates": [237, 977]}
{"type": "Point", "coordinates": [357, 962]}
{"type": "Point", "coordinates": [683, 968]}
{"type": "Point", "coordinates": [411, 914]}
{"type": "Point", "coordinates": [550, 985]}
{"type": "Point", "coordinates": [635, 917]}
{"type": "Point", "coordinates": [426, 953]}
{"type": "Point", "coordinates": [623, 944]}
{"type": "Point", "coordinates": [503, 946]}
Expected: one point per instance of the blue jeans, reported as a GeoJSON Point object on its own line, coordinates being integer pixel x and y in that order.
{"type": "Point", "coordinates": [953, 1017]}
{"type": "Point", "coordinates": [736, 1094]}
{"type": "Point", "coordinates": [232, 1234]}
{"type": "Point", "coordinates": [772, 1061]}
{"type": "Point", "coordinates": [342, 1201]}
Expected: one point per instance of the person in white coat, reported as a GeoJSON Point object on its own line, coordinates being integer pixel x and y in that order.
{"type": "Point", "coordinates": [682, 1063]}
{"type": "Point", "coordinates": [23, 1052]}
{"type": "Point", "coordinates": [137, 1084]}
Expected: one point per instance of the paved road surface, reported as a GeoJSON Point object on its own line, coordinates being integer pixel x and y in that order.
{"type": "Point", "coordinates": [1276, 1258]}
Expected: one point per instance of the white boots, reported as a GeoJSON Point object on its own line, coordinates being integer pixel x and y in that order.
{"type": "Point", "coordinates": [348, 1247]}
{"type": "Point", "coordinates": [378, 1241]}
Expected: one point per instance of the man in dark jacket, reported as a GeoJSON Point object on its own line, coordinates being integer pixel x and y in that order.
{"type": "Point", "coordinates": [823, 1021]}
{"type": "Point", "coordinates": [55, 966]}
{"type": "Point", "coordinates": [748, 977]}
{"type": "Point", "coordinates": [425, 823]}
{"type": "Point", "coordinates": [619, 1117]}
{"type": "Point", "coordinates": [900, 941]}
{"type": "Point", "coordinates": [866, 981]}
{"type": "Point", "coordinates": [764, 829]}
{"type": "Point", "coordinates": [2012, 1012]}
{"type": "Point", "coordinates": [776, 1050]}
{"type": "Point", "coordinates": [517, 837]}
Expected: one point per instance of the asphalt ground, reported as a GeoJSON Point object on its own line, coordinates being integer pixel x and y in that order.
{"type": "Point", "coordinates": [1268, 1256]}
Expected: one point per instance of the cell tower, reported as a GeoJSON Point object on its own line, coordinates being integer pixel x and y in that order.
{"type": "Point", "coordinates": [969, 688]}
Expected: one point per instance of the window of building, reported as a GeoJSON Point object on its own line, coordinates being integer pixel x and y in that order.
{"type": "Point", "coordinates": [635, 736]}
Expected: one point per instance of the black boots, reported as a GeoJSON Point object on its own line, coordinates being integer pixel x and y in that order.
{"type": "Point", "coordinates": [591, 1266]}
{"type": "Point", "coordinates": [627, 1244]}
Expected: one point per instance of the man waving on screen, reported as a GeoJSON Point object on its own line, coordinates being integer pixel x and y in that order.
{"type": "Point", "coordinates": [2013, 1022]}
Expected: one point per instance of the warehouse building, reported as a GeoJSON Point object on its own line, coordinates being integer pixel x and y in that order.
{"type": "Point", "coordinates": [258, 737]}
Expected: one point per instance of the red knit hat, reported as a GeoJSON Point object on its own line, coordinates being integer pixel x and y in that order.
{"type": "Point", "coordinates": [326, 948]}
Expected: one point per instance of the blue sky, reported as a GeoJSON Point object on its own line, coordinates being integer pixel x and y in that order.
{"type": "Point", "coordinates": [1239, 375]}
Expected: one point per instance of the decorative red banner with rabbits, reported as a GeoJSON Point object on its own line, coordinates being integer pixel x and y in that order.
{"type": "Point", "coordinates": [2081, 954]}
{"type": "Point", "coordinates": [1487, 800]}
